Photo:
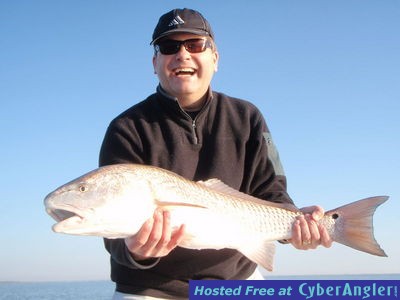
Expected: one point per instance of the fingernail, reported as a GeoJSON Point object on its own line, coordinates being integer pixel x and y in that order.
{"type": "Point", "coordinates": [317, 216]}
{"type": "Point", "coordinates": [158, 212]}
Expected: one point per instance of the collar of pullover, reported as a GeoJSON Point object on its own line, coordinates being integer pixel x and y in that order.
{"type": "Point", "coordinates": [174, 101]}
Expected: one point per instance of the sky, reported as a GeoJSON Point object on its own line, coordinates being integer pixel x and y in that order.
{"type": "Point", "coordinates": [325, 75]}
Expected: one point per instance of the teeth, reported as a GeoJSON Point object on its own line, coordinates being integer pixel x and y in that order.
{"type": "Point", "coordinates": [184, 71]}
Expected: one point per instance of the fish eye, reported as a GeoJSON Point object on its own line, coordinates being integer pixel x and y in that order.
{"type": "Point", "coordinates": [82, 188]}
{"type": "Point", "coordinates": [335, 216]}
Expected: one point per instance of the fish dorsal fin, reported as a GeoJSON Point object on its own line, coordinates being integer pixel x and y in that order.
{"type": "Point", "coordinates": [219, 186]}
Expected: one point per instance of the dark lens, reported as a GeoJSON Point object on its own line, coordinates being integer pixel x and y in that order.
{"type": "Point", "coordinates": [169, 47]}
{"type": "Point", "coordinates": [195, 45]}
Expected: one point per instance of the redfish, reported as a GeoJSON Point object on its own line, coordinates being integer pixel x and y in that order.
{"type": "Point", "coordinates": [114, 201]}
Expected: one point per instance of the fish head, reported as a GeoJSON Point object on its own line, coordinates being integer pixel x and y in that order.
{"type": "Point", "coordinates": [109, 202]}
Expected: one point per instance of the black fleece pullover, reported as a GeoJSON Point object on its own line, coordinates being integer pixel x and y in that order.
{"type": "Point", "coordinates": [229, 140]}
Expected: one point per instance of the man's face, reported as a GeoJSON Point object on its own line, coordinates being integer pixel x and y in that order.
{"type": "Point", "coordinates": [186, 75]}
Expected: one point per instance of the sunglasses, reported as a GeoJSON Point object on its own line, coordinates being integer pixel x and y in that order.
{"type": "Point", "coordinates": [168, 47]}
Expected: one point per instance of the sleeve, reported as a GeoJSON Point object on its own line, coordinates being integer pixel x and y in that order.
{"type": "Point", "coordinates": [264, 174]}
{"type": "Point", "coordinates": [122, 145]}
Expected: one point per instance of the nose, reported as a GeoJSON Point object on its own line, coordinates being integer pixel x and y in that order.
{"type": "Point", "coordinates": [182, 54]}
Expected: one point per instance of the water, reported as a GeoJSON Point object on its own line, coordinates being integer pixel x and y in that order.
{"type": "Point", "coordinates": [103, 290]}
{"type": "Point", "coordinates": [79, 290]}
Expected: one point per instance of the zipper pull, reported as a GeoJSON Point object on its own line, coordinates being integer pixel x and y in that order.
{"type": "Point", "coordinates": [195, 140]}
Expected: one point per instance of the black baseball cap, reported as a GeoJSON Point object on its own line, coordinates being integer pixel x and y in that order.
{"type": "Point", "coordinates": [181, 20]}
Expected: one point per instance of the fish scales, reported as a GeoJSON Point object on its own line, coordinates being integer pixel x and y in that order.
{"type": "Point", "coordinates": [114, 201]}
{"type": "Point", "coordinates": [256, 216]}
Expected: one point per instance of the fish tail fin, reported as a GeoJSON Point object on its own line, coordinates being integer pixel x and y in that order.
{"type": "Point", "coordinates": [261, 252]}
{"type": "Point", "coordinates": [354, 225]}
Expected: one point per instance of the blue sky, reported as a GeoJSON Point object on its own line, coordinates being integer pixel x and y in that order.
{"type": "Point", "coordinates": [325, 74]}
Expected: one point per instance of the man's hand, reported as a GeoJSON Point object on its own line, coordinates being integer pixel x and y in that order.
{"type": "Point", "coordinates": [155, 238]}
{"type": "Point", "coordinates": [307, 233]}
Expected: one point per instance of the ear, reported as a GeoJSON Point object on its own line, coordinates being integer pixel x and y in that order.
{"type": "Point", "coordinates": [216, 59]}
{"type": "Point", "coordinates": [155, 63]}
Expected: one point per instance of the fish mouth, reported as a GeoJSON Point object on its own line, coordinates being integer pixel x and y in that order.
{"type": "Point", "coordinates": [60, 211]}
{"type": "Point", "coordinates": [67, 218]}
{"type": "Point", "coordinates": [62, 214]}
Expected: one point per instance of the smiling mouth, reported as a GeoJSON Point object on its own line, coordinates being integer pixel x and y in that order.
{"type": "Point", "coordinates": [184, 71]}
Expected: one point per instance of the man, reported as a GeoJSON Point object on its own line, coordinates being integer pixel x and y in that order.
{"type": "Point", "coordinates": [198, 133]}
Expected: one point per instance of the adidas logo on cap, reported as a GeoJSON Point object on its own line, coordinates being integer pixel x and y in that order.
{"type": "Point", "coordinates": [176, 21]}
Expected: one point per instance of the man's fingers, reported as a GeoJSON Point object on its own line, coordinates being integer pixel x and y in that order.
{"type": "Point", "coordinates": [296, 235]}
{"type": "Point", "coordinates": [166, 230]}
{"type": "Point", "coordinates": [157, 230]}
{"type": "Point", "coordinates": [155, 238]}
{"type": "Point", "coordinates": [154, 244]}
{"type": "Point", "coordinates": [141, 237]}
{"type": "Point", "coordinates": [326, 239]}
{"type": "Point", "coordinates": [314, 232]}
{"type": "Point", "coordinates": [316, 212]}
{"type": "Point", "coordinates": [176, 237]}
{"type": "Point", "coordinates": [142, 243]}
{"type": "Point", "coordinates": [305, 231]}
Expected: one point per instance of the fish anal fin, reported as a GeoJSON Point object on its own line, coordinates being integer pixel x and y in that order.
{"type": "Point", "coordinates": [354, 225]}
{"type": "Point", "coordinates": [261, 253]}
{"type": "Point", "coordinates": [219, 186]}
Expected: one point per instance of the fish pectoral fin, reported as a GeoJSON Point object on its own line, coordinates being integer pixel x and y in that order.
{"type": "Point", "coordinates": [165, 204]}
{"type": "Point", "coordinates": [260, 253]}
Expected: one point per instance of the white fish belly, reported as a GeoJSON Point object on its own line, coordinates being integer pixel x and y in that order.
{"type": "Point", "coordinates": [210, 229]}
{"type": "Point", "coordinates": [205, 229]}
